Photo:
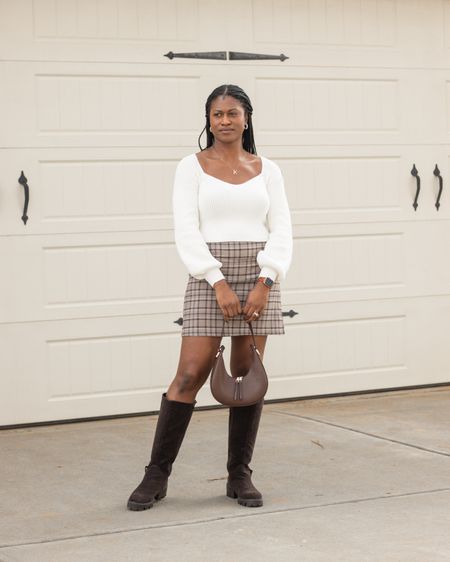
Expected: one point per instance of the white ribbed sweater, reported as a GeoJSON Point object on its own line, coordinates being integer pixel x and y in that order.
{"type": "Point", "coordinates": [207, 209]}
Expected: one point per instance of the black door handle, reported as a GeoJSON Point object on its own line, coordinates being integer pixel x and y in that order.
{"type": "Point", "coordinates": [23, 181]}
{"type": "Point", "coordinates": [437, 173]}
{"type": "Point", "coordinates": [415, 173]}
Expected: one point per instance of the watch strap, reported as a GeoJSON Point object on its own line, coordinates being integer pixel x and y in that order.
{"type": "Point", "coordinates": [267, 281]}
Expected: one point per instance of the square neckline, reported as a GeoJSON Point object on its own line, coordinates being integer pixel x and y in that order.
{"type": "Point", "coordinates": [228, 182]}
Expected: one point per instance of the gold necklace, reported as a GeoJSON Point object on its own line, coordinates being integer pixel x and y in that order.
{"type": "Point", "coordinates": [234, 170]}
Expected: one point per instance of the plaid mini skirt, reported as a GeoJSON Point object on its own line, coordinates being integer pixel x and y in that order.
{"type": "Point", "coordinates": [201, 313]}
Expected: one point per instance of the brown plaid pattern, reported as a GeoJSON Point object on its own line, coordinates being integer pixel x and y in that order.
{"type": "Point", "coordinates": [201, 313]}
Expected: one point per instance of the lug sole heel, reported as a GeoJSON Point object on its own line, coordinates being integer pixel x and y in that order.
{"type": "Point", "coordinates": [242, 501]}
{"type": "Point", "coordinates": [162, 494]}
{"type": "Point", "coordinates": [231, 493]}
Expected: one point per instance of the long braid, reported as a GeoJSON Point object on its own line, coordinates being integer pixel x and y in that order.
{"type": "Point", "coordinates": [248, 140]}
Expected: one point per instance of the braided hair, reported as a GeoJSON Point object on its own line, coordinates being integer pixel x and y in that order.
{"type": "Point", "coordinates": [248, 141]}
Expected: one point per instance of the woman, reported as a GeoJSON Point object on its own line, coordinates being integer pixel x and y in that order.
{"type": "Point", "coordinates": [233, 233]}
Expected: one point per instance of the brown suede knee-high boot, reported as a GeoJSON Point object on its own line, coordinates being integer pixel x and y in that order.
{"type": "Point", "coordinates": [173, 420]}
{"type": "Point", "coordinates": [242, 430]}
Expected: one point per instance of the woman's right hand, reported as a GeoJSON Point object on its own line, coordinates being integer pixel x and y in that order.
{"type": "Point", "coordinates": [227, 300]}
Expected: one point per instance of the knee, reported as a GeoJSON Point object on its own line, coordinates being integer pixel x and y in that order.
{"type": "Point", "coordinates": [189, 380]}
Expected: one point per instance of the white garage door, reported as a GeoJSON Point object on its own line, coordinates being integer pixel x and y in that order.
{"type": "Point", "coordinates": [97, 118]}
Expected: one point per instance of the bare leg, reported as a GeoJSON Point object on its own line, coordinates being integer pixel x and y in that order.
{"type": "Point", "coordinates": [241, 354]}
{"type": "Point", "coordinates": [196, 359]}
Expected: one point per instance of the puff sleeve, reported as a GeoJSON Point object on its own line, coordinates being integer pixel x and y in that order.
{"type": "Point", "coordinates": [275, 259]}
{"type": "Point", "coordinates": [190, 243]}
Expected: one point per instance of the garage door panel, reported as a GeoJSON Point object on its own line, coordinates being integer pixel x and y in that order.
{"type": "Point", "coordinates": [101, 103]}
{"type": "Point", "coordinates": [91, 275]}
{"type": "Point", "coordinates": [360, 184]}
{"type": "Point", "coordinates": [108, 191]}
{"type": "Point", "coordinates": [77, 105]}
{"type": "Point", "coordinates": [346, 262]}
{"type": "Point", "coordinates": [347, 346]}
{"type": "Point", "coordinates": [349, 186]}
{"type": "Point", "coordinates": [83, 368]}
{"type": "Point", "coordinates": [335, 23]}
{"type": "Point", "coordinates": [111, 272]}
{"type": "Point", "coordinates": [342, 345]}
{"type": "Point", "coordinates": [365, 33]}
{"type": "Point", "coordinates": [325, 188]}
{"type": "Point", "coordinates": [343, 105]}
{"type": "Point", "coordinates": [325, 262]}
{"type": "Point", "coordinates": [127, 364]}
{"type": "Point", "coordinates": [74, 191]}
{"type": "Point", "coordinates": [329, 106]}
{"type": "Point", "coordinates": [132, 20]}
{"type": "Point", "coordinates": [307, 104]}
{"type": "Point", "coordinates": [92, 28]}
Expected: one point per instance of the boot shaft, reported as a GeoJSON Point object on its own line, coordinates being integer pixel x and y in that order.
{"type": "Point", "coordinates": [243, 424]}
{"type": "Point", "coordinates": [173, 421]}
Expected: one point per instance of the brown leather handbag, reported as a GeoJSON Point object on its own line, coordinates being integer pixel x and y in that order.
{"type": "Point", "coordinates": [239, 391]}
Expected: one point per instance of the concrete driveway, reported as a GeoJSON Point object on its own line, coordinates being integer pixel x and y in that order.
{"type": "Point", "coordinates": [355, 478]}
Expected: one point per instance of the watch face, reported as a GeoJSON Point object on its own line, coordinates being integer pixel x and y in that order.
{"type": "Point", "coordinates": [268, 282]}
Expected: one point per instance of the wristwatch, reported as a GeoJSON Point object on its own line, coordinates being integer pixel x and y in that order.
{"type": "Point", "coordinates": [267, 281]}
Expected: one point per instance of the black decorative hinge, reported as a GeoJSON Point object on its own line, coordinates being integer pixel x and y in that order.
{"type": "Point", "coordinates": [235, 55]}
{"type": "Point", "coordinates": [291, 313]}
{"type": "Point", "coordinates": [225, 55]}
{"type": "Point", "coordinates": [217, 55]}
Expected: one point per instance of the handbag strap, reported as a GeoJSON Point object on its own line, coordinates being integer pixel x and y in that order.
{"type": "Point", "coordinates": [252, 333]}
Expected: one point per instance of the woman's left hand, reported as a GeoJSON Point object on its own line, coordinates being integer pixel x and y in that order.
{"type": "Point", "coordinates": [256, 302]}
